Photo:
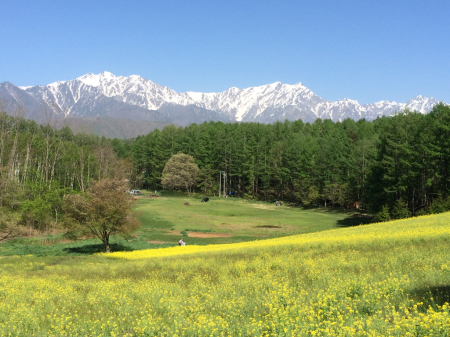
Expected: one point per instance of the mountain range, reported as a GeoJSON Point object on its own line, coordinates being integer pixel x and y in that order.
{"type": "Point", "coordinates": [136, 99]}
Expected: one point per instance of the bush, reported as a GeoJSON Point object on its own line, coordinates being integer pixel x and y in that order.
{"type": "Point", "coordinates": [399, 211]}
{"type": "Point", "coordinates": [36, 213]}
{"type": "Point", "coordinates": [383, 215]}
{"type": "Point", "coordinates": [439, 205]}
{"type": "Point", "coordinates": [421, 212]}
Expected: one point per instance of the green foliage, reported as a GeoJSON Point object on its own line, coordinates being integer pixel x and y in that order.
{"type": "Point", "coordinates": [8, 225]}
{"type": "Point", "coordinates": [305, 192]}
{"type": "Point", "coordinates": [207, 181]}
{"type": "Point", "coordinates": [12, 194]}
{"type": "Point", "coordinates": [104, 211]}
{"type": "Point", "coordinates": [421, 212]}
{"type": "Point", "coordinates": [36, 213]}
{"type": "Point", "coordinates": [383, 215]}
{"type": "Point", "coordinates": [162, 219]}
{"type": "Point", "coordinates": [338, 193]}
{"type": "Point", "coordinates": [180, 171]}
{"type": "Point", "coordinates": [374, 163]}
{"type": "Point", "coordinates": [40, 165]}
{"type": "Point", "coordinates": [400, 210]}
{"type": "Point", "coordinates": [440, 205]}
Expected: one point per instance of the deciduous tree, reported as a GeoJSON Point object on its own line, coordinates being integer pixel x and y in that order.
{"type": "Point", "coordinates": [104, 210]}
{"type": "Point", "coordinates": [180, 171]}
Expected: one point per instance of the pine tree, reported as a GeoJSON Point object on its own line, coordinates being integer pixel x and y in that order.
{"type": "Point", "coordinates": [439, 205]}
{"type": "Point", "coordinates": [383, 215]}
{"type": "Point", "coordinates": [399, 211]}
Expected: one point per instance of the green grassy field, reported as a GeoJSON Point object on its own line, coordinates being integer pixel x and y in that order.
{"type": "Point", "coordinates": [387, 279]}
{"type": "Point", "coordinates": [166, 220]}
{"type": "Point", "coordinates": [231, 220]}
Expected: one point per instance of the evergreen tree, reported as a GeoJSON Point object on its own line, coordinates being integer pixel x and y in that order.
{"type": "Point", "coordinates": [439, 205]}
{"type": "Point", "coordinates": [375, 163]}
{"type": "Point", "coordinates": [399, 211]}
{"type": "Point", "coordinates": [383, 215]}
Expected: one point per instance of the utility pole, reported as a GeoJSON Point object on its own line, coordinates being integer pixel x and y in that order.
{"type": "Point", "coordinates": [224, 185]}
{"type": "Point", "coordinates": [220, 183]}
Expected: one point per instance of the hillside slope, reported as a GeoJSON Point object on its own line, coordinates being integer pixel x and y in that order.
{"type": "Point", "coordinates": [386, 279]}
{"type": "Point", "coordinates": [111, 127]}
{"type": "Point", "coordinates": [423, 228]}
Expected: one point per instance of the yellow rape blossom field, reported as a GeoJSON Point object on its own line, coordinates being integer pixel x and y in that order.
{"type": "Point", "coordinates": [389, 279]}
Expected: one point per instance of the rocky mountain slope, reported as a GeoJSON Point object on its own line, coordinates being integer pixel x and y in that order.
{"type": "Point", "coordinates": [139, 99]}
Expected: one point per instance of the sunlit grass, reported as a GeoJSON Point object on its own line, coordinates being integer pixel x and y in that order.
{"type": "Point", "coordinates": [388, 279]}
{"type": "Point", "coordinates": [166, 220]}
{"type": "Point", "coordinates": [367, 235]}
{"type": "Point", "coordinates": [244, 220]}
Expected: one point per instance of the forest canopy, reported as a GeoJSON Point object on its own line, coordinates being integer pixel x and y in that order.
{"type": "Point", "coordinates": [399, 166]}
{"type": "Point", "coordinates": [39, 165]}
{"type": "Point", "coordinates": [370, 164]}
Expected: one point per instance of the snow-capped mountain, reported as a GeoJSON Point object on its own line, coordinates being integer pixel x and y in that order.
{"type": "Point", "coordinates": [137, 98]}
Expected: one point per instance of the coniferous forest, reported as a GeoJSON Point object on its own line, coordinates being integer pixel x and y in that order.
{"type": "Point", "coordinates": [399, 165]}
{"type": "Point", "coordinates": [395, 166]}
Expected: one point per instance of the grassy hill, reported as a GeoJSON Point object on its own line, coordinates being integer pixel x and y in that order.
{"type": "Point", "coordinates": [389, 279]}
{"type": "Point", "coordinates": [165, 220]}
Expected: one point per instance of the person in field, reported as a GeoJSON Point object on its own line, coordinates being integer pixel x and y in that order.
{"type": "Point", "coordinates": [181, 243]}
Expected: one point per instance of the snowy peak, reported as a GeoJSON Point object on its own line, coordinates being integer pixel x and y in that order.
{"type": "Point", "coordinates": [421, 104]}
{"type": "Point", "coordinates": [265, 103]}
{"type": "Point", "coordinates": [95, 79]}
{"type": "Point", "coordinates": [91, 79]}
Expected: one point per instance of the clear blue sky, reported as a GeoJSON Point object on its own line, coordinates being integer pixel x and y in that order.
{"type": "Point", "coordinates": [363, 50]}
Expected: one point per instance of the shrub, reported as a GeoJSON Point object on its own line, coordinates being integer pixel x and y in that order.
{"type": "Point", "coordinates": [421, 212]}
{"type": "Point", "coordinates": [399, 211]}
{"type": "Point", "coordinates": [36, 213]}
{"type": "Point", "coordinates": [439, 205]}
{"type": "Point", "coordinates": [383, 215]}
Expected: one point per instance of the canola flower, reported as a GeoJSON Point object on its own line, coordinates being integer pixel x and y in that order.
{"type": "Point", "coordinates": [428, 227]}
{"type": "Point", "coordinates": [378, 280]}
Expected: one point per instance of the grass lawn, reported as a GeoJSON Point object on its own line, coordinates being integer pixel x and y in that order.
{"type": "Point", "coordinates": [230, 220]}
{"type": "Point", "coordinates": [165, 220]}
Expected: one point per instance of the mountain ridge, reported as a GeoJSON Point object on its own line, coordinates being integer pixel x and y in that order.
{"type": "Point", "coordinates": [136, 98]}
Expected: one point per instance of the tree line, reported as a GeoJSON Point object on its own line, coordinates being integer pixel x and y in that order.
{"type": "Point", "coordinates": [40, 165]}
{"type": "Point", "coordinates": [403, 160]}
{"type": "Point", "coordinates": [394, 166]}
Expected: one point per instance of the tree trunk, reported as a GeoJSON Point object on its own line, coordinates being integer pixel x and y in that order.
{"type": "Point", "coordinates": [56, 154]}
{"type": "Point", "coordinates": [12, 159]}
{"type": "Point", "coordinates": [106, 242]}
{"type": "Point", "coordinates": [81, 181]}
{"type": "Point", "coordinates": [25, 168]}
